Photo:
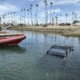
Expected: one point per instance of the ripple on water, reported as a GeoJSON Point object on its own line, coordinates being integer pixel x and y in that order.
{"type": "Point", "coordinates": [29, 61]}
{"type": "Point", "coordinates": [11, 73]}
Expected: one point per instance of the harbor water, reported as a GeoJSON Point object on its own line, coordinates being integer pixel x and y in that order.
{"type": "Point", "coordinates": [29, 61]}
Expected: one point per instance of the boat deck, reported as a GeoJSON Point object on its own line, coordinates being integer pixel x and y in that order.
{"type": "Point", "coordinates": [7, 34]}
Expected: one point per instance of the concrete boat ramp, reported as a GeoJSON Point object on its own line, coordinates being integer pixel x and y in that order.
{"type": "Point", "coordinates": [61, 51]}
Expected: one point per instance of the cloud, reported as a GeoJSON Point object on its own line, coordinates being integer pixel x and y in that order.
{"type": "Point", "coordinates": [42, 14]}
{"type": "Point", "coordinates": [30, 0]}
{"type": "Point", "coordinates": [57, 2]}
{"type": "Point", "coordinates": [4, 8]}
{"type": "Point", "coordinates": [60, 2]}
{"type": "Point", "coordinates": [67, 2]}
{"type": "Point", "coordinates": [57, 10]}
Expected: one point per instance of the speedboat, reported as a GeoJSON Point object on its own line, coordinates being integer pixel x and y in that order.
{"type": "Point", "coordinates": [12, 40]}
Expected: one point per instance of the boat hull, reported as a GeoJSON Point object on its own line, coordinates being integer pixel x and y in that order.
{"type": "Point", "coordinates": [14, 40]}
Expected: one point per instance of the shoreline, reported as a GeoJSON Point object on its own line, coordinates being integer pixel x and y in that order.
{"type": "Point", "coordinates": [63, 30]}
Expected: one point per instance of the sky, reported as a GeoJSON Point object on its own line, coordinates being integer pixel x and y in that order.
{"type": "Point", "coordinates": [60, 7]}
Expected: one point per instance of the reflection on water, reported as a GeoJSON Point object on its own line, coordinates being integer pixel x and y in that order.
{"type": "Point", "coordinates": [29, 61]}
{"type": "Point", "coordinates": [12, 48]}
{"type": "Point", "coordinates": [46, 63]}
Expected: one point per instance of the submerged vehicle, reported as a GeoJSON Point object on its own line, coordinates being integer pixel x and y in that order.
{"type": "Point", "coordinates": [58, 50]}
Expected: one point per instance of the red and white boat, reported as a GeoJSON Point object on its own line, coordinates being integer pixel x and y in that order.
{"type": "Point", "coordinates": [12, 40]}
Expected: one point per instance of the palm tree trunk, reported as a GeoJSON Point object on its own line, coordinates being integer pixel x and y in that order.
{"type": "Point", "coordinates": [72, 17]}
{"type": "Point", "coordinates": [45, 1]}
{"type": "Point", "coordinates": [35, 20]}
{"type": "Point", "coordinates": [66, 20]}
{"type": "Point", "coordinates": [28, 16]}
{"type": "Point", "coordinates": [14, 16]}
{"type": "Point", "coordinates": [50, 17]}
{"type": "Point", "coordinates": [8, 18]}
{"type": "Point", "coordinates": [31, 17]}
{"type": "Point", "coordinates": [37, 14]}
{"type": "Point", "coordinates": [24, 17]}
{"type": "Point", "coordinates": [51, 13]}
{"type": "Point", "coordinates": [46, 13]}
{"type": "Point", "coordinates": [31, 14]}
{"type": "Point", "coordinates": [0, 23]}
{"type": "Point", "coordinates": [20, 20]}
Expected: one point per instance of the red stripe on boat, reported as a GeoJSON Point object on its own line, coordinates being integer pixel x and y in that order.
{"type": "Point", "coordinates": [12, 40]}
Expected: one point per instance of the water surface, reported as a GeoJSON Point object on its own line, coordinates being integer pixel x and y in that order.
{"type": "Point", "coordinates": [29, 61]}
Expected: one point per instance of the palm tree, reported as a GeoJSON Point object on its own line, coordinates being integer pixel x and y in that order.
{"type": "Point", "coordinates": [14, 16]}
{"type": "Point", "coordinates": [24, 16]}
{"type": "Point", "coordinates": [8, 18]}
{"type": "Point", "coordinates": [31, 13]}
{"type": "Point", "coordinates": [28, 16]}
{"type": "Point", "coordinates": [66, 18]}
{"type": "Point", "coordinates": [3, 18]}
{"type": "Point", "coordinates": [56, 19]}
{"type": "Point", "coordinates": [52, 21]}
{"type": "Point", "coordinates": [37, 13]}
{"type": "Point", "coordinates": [51, 12]}
{"type": "Point", "coordinates": [11, 17]}
{"type": "Point", "coordinates": [45, 1]}
{"type": "Point", "coordinates": [46, 13]}
{"type": "Point", "coordinates": [60, 18]}
{"type": "Point", "coordinates": [72, 17]}
{"type": "Point", "coordinates": [20, 20]}
{"type": "Point", "coordinates": [46, 18]}
{"type": "Point", "coordinates": [0, 23]}
{"type": "Point", "coordinates": [75, 16]}
{"type": "Point", "coordinates": [53, 18]}
{"type": "Point", "coordinates": [35, 19]}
